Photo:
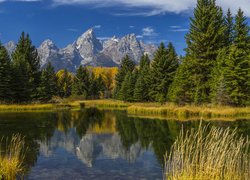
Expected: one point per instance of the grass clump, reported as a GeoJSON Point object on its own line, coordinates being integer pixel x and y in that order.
{"type": "Point", "coordinates": [206, 154]}
{"type": "Point", "coordinates": [12, 157]}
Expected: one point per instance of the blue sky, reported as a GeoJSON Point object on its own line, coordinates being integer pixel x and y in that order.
{"type": "Point", "coordinates": [63, 21]}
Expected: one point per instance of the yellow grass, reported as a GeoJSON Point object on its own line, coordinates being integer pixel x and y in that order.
{"type": "Point", "coordinates": [11, 158]}
{"type": "Point", "coordinates": [142, 109]}
{"type": "Point", "coordinates": [206, 154]}
{"type": "Point", "coordinates": [106, 103]}
{"type": "Point", "coordinates": [37, 107]}
{"type": "Point", "coordinates": [173, 111]}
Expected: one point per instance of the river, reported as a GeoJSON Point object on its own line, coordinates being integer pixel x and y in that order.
{"type": "Point", "coordinates": [97, 144]}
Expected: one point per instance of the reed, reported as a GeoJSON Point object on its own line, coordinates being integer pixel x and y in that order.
{"type": "Point", "coordinates": [208, 153]}
{"type": "Point", "coordinates": [12, 157]}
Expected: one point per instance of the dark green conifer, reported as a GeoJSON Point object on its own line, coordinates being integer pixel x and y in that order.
{"type": "Point", "coordinates": [48, 85]}
{"type": "Point", "coordinates": [127, 65]}
{"type": "Point", "coordinates": [26, 73]}
{"type": "Point", "coordinates": [205, 39]}
{"type": "Point", "coordinates": [163, 69]}
{"type": "Point", "coordinates": [82, 82]}
{"type": "Point", "coordinates": [5, 75]}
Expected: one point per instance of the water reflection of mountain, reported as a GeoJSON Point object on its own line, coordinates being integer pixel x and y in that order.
{"type": "Point", "coordinates": [91, 146]}
{"type": "Point", "coordinates": [92, 135]}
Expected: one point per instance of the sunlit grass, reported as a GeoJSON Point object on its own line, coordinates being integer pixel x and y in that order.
{"type": "Point", "coordinates": [145, 109]}
{"type": "Point", "coordinates": [206, 154]}
{"type": "Point", "coordinates": [37, 107]}
{"type": "Point", "coordinates": [12, 157]}
{"type": "Point", "coordinates": [181, 112]}
{"type": "Point", "coordinates": [19, 107]}
{"type": "Point", "coordinates": [106, 103]}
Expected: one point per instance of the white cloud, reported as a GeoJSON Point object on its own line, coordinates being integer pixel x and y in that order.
{"type": "Point", "coordinates": [154, 7]}
{"type": "Point", "coordinates": [20, 0]}
{"type": "Point", "coordinates": [131, 26]}
{"type": "Point", "coordinates": [104, 38]}
{"type": "Point", "coordinates": [97, 26]}
{"type": "Point", "coordinates": [158, 6]}
{"type": "Point", "coordinates": [177, 29]}
{"type": "Point", "coordinates": [148, 31]}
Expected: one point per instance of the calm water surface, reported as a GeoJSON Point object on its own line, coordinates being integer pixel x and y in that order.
{"type": "Point", "coordinates": [95, 144]}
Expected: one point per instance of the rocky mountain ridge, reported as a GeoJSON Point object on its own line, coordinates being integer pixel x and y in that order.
{"type": "Point", "coordinates": [88, 50]}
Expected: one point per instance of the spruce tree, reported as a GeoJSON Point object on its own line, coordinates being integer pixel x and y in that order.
{"type": "Point", "coordinates": [139, 91]}
{"type": "Point", "coordinates": [5, 75]}
{"type": "Point", "coordinates": [82, 82]}
{"type": "Point", "coordinates": [142, 84]}
{"type": "Point", "coordinates": [127, 65]}
{"type": "Point", "coordinates": [48, 84]}
{"type": "Point", "coordinates": [205, 39]}
{"type": "Point", "coordinates": [163, 68]}
{"type": "Point", "coordinates": [128, 86]}
{"type": "Point", "coordinates": [229, 24]}
{"type": "Point", "coordinates": [237, 63]}
{"type": "Point", "coordinates": [26, 73]}
{"type": "Point", "coordinates": [241, 32]}
{"type": "Point", "coordinates": [218, 93]}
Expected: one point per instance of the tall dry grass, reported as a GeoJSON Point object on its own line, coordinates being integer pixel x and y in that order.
{"type": "Point", "coordinates": [182, 112]}
{"type": "Point", "coordinates": [208, 154]}
{"type": "Point", "coordinates": [11, 157]}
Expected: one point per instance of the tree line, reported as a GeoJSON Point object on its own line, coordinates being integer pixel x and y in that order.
{"type": "Point", "coordinates": [216, 68]}
{"type": "Point", "coordinates": [22, 80]}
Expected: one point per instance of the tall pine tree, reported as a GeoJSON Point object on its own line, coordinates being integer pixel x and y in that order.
{"type": "Point", "coordinates": [205, 39]}
{"type": "Point", "coordinates": [142, 85]}
{"type": "Point", "coordinates": [237, 63]}
{"type": "Point", "coordinates": [127, 65]}
{"type": "Point", "coordinates": [128, 86]}
{"type": "Point", "coordinates": [5, 75]}
{"type": "Point", "coordinates": [26, 73]}
{"type": "Point", "coordinates": [163, 68]}
{"type": "Point", "coordinates": [48, 85]}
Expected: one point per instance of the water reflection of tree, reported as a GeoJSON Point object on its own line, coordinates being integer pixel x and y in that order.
{"type": "Point", "coordinates": [159, 134]}
{"type": "Point", "coordinates": [33, 126]}
{"type": "Point", "coordinates": [87, 118]}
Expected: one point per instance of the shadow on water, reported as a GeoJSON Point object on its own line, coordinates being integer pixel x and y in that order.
{"type": "Point", "coordinates": [98, 141]}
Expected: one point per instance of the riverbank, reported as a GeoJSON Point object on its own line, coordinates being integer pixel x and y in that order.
{"type": "Point", "coordinates": [141, 109]}
{"type": "Point", "coordinates": [38, 107]}
{"type": "Point", "coordinates": [172, 110]}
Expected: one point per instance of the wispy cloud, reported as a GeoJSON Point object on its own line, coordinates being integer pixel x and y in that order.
{"type": "Point", "coordinates": [157, 7]}
{"type": "Point", "coordinates": [104, 38]}
{"type": "Point", "coordinates": [20, 0]}
{"type": "Point", "coordinates": [97, 26]}
{"type": "Point", "coordinates": [131, 27]}
{"type": "Point", "coordinates": [177, 29]}
{"type": "Point", "coordinates": [148, 31]}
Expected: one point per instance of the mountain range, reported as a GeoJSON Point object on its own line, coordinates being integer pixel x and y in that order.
{"type": "Point", "coordinates": [88, 50]}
